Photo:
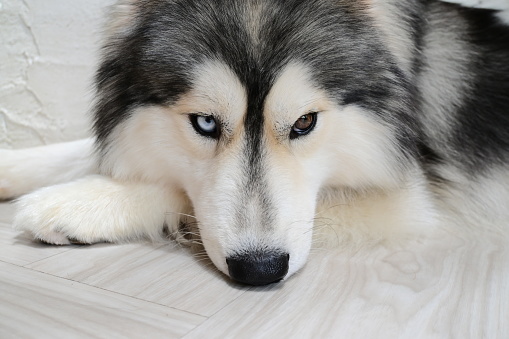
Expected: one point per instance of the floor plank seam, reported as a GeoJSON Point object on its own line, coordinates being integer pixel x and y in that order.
{"type": "Point", "coordinates": [45, 258]}
{"type": "Point", "coordinates": [212, 315]}
{"type": "Point", "coordinates": [10, 263]}
{"type": "Point", "coordinates": [111, 291]}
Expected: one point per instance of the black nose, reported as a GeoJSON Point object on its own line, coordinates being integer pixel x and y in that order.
{"type": "Point", "coordinates": [258, 268]}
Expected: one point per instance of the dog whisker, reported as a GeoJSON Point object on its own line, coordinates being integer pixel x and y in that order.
{"type": "Point", "coordinates": [183, 214]}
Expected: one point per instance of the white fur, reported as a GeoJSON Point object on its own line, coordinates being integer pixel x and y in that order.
{"type": "Point", "coordinates": [349, 219]}
{"type": "Point", "coordinates": [22, 171]}
{"type": "Point", "coordinates": [490, 4]}
{"type": "Point", "coordinates": [156, 161]}
{"type": "Point", "coordinates": [444, 85]}
{"type": "Point", "coordinates": [395, 32]}
{"type": "Point", "coordinates": [500, 5]}
{"type": "Point", "coordinates": [97, 209]}
{"type": "Point", "coordinates": [346, 142]}
{"type": "Point", "coordinates": [476, 206]}
{"type": "Point", "coordinates": [347, 174]}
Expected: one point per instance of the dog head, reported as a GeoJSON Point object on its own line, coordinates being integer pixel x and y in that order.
{"type": "Point", "coordinates": [251, 108]}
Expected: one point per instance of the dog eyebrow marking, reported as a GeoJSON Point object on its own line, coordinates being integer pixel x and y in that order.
{"type": "Point", "coordinates": [217, 91]}
{"type": "Point", "coordinates": [293, 95]}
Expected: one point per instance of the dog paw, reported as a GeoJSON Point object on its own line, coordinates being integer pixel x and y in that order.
{"type": "Point", "coordinates": [52, 238]}
{"type": "Point", "coordinates": [93, 209]}
{"type": "Point", "coordinates": [52, 216]}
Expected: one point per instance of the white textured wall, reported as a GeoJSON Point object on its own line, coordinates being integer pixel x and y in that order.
{"type": "Point", "coordinates": [48, 54]}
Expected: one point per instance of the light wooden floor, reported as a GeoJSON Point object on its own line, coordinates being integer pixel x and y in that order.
{"type": "Point", "coordinates": [448, 288]}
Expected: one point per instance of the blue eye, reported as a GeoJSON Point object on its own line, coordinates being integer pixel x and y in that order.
{"type": "Point", "coordinates": [205, 125]}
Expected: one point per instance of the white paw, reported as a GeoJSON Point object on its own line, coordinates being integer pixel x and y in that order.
{"type": "Point", "coordinates": [94, 209]}
{"type": "Point", "coordinates": [55, 214]}
{"type": "Point", "coordinates": [54, 238]}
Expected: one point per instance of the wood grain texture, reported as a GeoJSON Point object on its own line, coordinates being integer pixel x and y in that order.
{"type": "Point", "coordinates": [168, 275]}
{"type": "Point", "coordinates": [20, 250]}
{"type": "Point", "coordinates": [439, 292]}
{"type": "Point", "coordinates": [6, 212]}
{"type": "Point", "coordinates": [41, 306]}
{"type": "Point", "coordinates": [455, 285]}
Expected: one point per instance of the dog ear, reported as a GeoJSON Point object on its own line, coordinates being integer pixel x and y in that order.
{"type": "Point", "coordinates": [122, 16]}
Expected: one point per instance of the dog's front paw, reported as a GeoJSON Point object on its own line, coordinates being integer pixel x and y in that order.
{"type": "Point", "coordinates": [94, 209]}
{"type": "Point", "coordinates": [54, 216]}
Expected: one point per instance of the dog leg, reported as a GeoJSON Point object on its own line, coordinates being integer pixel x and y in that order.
{"type": "Point", "coordinates": [99, 209]}
{"type": "Point", "coordinates": [24, 170]}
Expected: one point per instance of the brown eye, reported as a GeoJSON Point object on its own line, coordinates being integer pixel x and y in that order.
{"type": "Point", "coordinates": [303, 125]}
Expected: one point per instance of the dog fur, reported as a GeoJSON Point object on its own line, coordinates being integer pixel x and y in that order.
{"type": "Point", "coordinates": [195, 124]}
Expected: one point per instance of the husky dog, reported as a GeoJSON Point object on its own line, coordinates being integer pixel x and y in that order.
{"type": "Point", "coordinates": [250, 119]}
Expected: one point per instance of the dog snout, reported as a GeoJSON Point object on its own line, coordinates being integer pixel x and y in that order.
{"type": "Point", "coordinates": [258, 268]}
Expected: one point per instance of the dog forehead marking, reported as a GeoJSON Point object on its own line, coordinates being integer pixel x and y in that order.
{"type": "Point", "coordinates": [237, 101]}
